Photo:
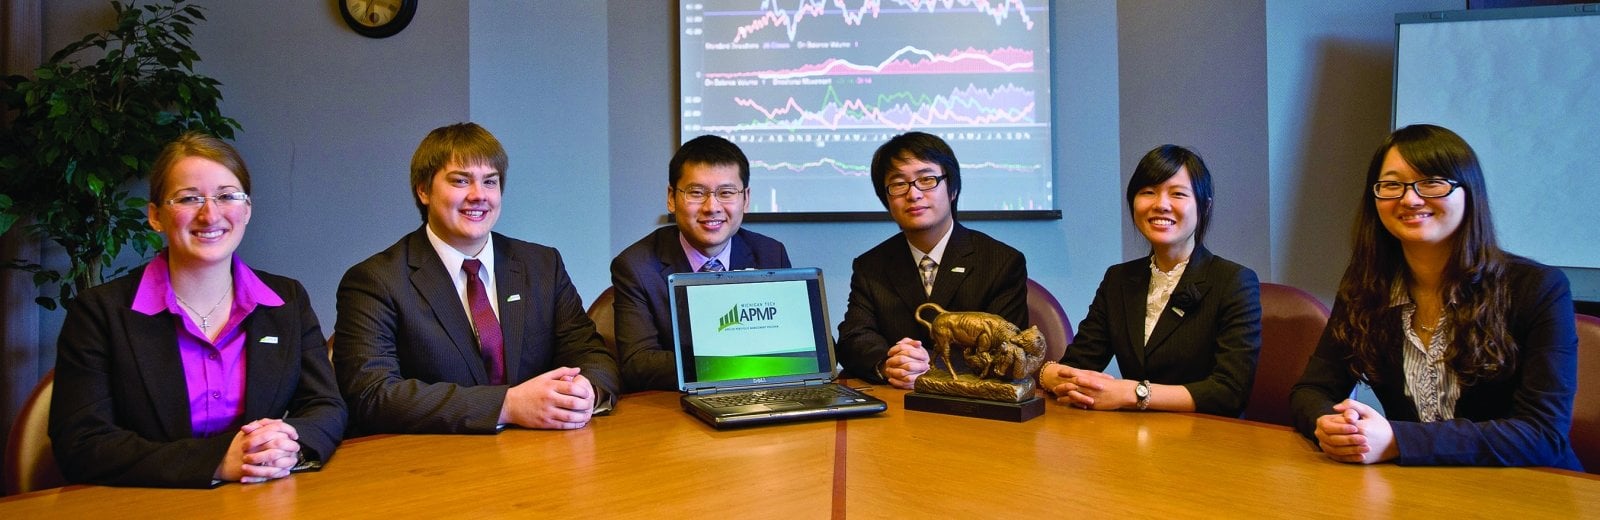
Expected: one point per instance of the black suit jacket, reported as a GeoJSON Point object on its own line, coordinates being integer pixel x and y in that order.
{"type": "Point", "coordinates": [1521, 418]}
{"type": "Point", "coordinates": [978, 273]}
{"type": "Point", "coordinates": [120, 414]}
{"type": "Point", "coordinates": [406, 355]}
{"type": "Point", "coordinates": [1210, 348]}
{"type": "Point", "coordinates": [643, 319]}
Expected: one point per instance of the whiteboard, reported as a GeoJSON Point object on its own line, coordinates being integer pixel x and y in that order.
{"type": "Point", "coordinates": [1522, 86]}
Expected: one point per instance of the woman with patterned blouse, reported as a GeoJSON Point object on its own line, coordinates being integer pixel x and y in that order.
{"type": "Point", "coordinates": [1471, 350]}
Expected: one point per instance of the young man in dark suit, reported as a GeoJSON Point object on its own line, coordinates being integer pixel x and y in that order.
{"type": "Point", "coordinates": [932, 259]}
{"type": "Point", "coordinates": [457, 329]}
{"type": "Point", "coordinates": [708, 191]}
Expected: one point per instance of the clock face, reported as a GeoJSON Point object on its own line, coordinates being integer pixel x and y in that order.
{"type": "Point", "coordinates": [374, 13]}
{"type": "Point", "coordinates": [378, 18]}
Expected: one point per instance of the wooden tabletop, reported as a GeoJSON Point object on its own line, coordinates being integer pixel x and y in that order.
{"type": "Point", "coordinates": [650, 458]}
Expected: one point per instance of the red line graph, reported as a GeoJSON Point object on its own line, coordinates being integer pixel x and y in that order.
{"type": "Point", "coordinates": [969, 61]}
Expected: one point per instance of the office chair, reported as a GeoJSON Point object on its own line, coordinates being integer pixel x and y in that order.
{"type": "Point", "coordinates": [605, 319]}
{"type": "Point", "coordinates": [1291, 324]}
{"type": "Point", "coordinates": [1045, 312]}
{"type": "Point", "coordinates": [1586, 405]}
{"type": "Point", "coordinates": [30, 465]}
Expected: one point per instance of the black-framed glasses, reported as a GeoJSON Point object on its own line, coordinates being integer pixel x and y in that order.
{"type": "Point", "coordinates": [221, 200]}
{"type": "Point", "coordinates": [926, 183]}
{"type": "Point", "coordinates": [699, 196]}
{"type": "Point", "coordinates": [1426, 188]}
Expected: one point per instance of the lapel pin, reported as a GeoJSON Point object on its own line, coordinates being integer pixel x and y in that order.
{"type": "Point", "coordinates": [958, 269]}
{"type": "Point", "coordinates": [1177, 311]}
{"type": "Point", "coordinates": [271, 340]}
{"type": "Point", "coordinates": [514, 298]}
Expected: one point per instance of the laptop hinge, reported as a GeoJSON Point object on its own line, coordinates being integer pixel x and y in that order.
{"type": "Point", "coordinates": [757, 386]}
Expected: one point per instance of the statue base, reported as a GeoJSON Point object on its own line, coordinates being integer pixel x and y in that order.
{"type": "Point", "coordinates": [938, 381]}
{"type": "Point", "coordinates": [979, 408]}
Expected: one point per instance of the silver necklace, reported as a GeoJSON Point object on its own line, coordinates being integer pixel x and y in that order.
{"type": "Point", "coordinates": [205, 319]}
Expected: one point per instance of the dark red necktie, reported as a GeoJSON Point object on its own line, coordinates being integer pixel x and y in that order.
{"type": "Point", "coordinates": [491, 345]}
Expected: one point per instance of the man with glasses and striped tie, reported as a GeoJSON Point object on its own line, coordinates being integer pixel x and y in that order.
{"type": "Point", "coordinates": [932, 259]}
{"type": "Point", "coordinates": [708, 191]}
{"type": "Point", "coordinates": [458, 329]}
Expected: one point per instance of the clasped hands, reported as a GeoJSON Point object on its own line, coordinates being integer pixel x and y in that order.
{"type": "Point", "coordinates": [1087, 389]}
{"type": "Point", "coordinates": [1358, 434]}
{"type": "Point", "coordinates": [561, 399]}
{"type": "Point", "coordinates": [263, 450]}
{"type": "Point", "coordinates": [906, 361]}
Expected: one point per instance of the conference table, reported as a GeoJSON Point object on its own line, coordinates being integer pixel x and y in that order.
{"type": "Point", "coordinates": [649, 459]}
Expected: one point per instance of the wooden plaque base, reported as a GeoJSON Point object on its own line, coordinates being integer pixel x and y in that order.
{"type": "Point", "coordinates": [997, 410]}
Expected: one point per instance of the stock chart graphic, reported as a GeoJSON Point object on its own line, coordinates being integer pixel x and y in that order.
{"type": "Point", "coordinates": [810, 88]}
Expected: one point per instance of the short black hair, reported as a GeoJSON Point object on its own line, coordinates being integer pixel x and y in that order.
{"type": "Point", "coordinates": [711, 150]}
{"type": "Point", "coordinates": [921, 146]}
{"type": "Point", "coordinates": [1161, 164]}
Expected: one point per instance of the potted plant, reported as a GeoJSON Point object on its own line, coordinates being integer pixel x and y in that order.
{"type": "Point", "coordinates": [80, 135]}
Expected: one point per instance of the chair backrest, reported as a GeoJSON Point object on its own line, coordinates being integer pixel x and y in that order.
{"type": "Point", "coordinates": [1586, 405]}
{"type": "Point", "coordinates": [604, 318]}
{"type": "Point", "coordinates": [1045, 312]}
{"type": "Point", "coordinates": [1291, 324]}
{"type": "Point", "coordinates": [29, 464]}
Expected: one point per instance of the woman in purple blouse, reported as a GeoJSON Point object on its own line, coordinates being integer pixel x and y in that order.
{"type": "Point", "coordinates": [194, 369]}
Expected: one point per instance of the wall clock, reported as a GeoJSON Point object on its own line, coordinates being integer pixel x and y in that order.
{"type": "Point", "coordinates": [378, 18]}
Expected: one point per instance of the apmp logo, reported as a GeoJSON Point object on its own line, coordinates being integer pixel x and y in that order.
{"type": "Point", "coordinates": [746, 314]}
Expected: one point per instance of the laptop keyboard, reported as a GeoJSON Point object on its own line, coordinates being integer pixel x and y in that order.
{"type": "Point", "coordinates": [775, 396]}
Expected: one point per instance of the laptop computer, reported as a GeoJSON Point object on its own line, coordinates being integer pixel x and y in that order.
{"type": "Point", "coordinates": [753, 347]}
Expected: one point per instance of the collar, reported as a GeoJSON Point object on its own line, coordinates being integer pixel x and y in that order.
{"type": "Point", "coordinates": [938, 249]}
{"type": "Point", "coordinates": [696, 259]}
{"type": "Point", "coordinates": [1176, 271]}
{"type": "Point", "coordinates": [1398, 295]}
{"type": "Point", "coordinates": [155, 294]}
{"type": "Point", "coordinates": [453, 258]}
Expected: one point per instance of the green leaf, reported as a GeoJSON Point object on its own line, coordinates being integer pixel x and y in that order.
{"type": "Point", "coordinates": [58, 108]}
{"type": "Point", "coordinates": [47, 303]}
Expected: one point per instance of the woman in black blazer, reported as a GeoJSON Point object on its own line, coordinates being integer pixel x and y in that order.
{"type": "Point", "coordinates": [1183, 324]}
{"type": "Point", "coordinates": [194, 369]}
{"type": "Point", "coordinates": [1471, 350]}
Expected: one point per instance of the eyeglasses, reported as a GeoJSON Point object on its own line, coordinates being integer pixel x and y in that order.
{"type": "Point", "coordinates": [699, 196]}
{"type": "Point", "coordinates": [922, 183]}
{"type": "Point", "coordinates": [221, 200]}
{"type": "Point", "coordinates": [1428, 188]}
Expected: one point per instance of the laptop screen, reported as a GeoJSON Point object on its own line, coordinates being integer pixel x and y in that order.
{"type": "Point", "coordinates": [766, 326]}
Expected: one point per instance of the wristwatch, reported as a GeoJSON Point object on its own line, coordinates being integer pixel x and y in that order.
{"type": "Point", "coordinates": [1143, 393]}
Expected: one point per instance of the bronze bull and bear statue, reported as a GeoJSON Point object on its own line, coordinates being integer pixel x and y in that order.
{"type": "Point", "coordinates": [1002, 358]}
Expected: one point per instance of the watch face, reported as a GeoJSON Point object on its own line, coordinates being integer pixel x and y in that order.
{"type": "Point", "coordinates": [1141, 391]}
